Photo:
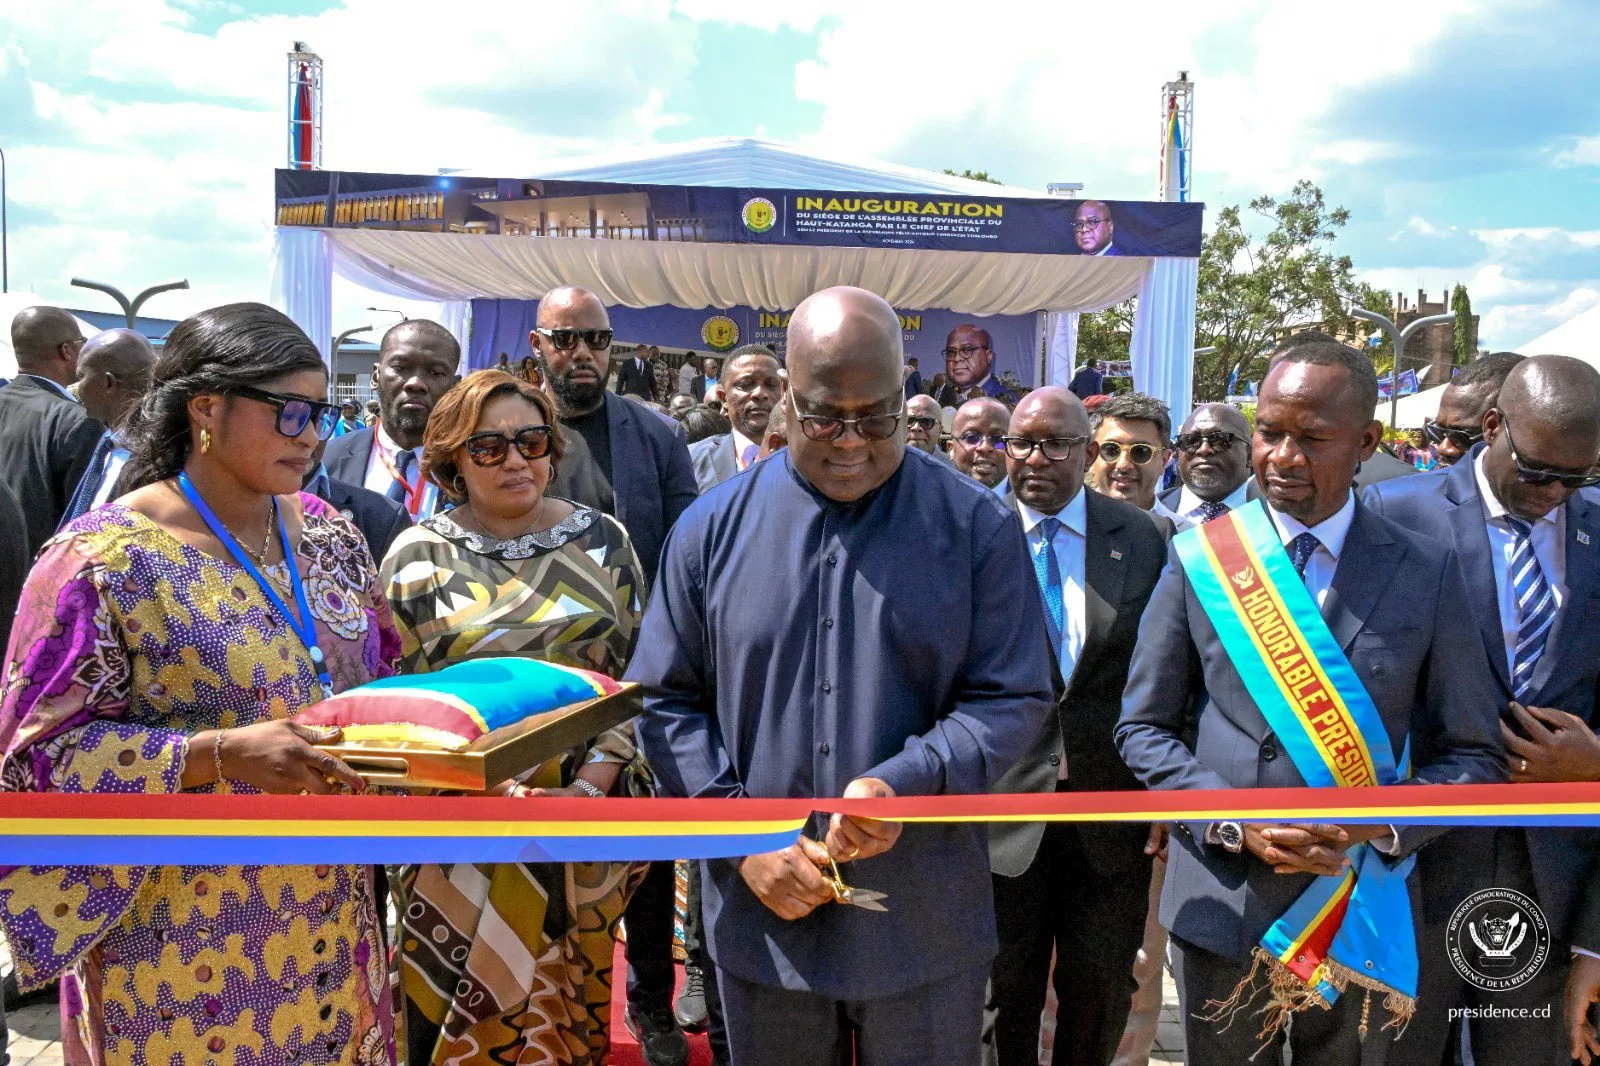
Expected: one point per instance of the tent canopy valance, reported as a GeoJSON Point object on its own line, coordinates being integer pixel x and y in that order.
{"type": "Point", "coordinates": [749, 224]}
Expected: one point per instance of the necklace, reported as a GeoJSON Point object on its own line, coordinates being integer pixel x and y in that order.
{"type": "Point", "coordinates": [266, 540]}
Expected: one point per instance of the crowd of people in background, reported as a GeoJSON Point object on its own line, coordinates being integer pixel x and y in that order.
{"type": "Point", "coordinates": [751, 538]}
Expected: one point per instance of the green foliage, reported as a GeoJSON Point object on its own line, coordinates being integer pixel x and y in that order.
{"type": "Point", "coordinates": [974, 175]}
{"type": "Point", "coordinates": [1466, 342]}
{"type": "Point", "coordinates": [1254, 292]}
{"type": "Point", "coordinates": [1104, 335]}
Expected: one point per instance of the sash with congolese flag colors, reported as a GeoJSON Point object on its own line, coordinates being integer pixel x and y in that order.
{"type": "Point", "coordinates": [1350, 929]}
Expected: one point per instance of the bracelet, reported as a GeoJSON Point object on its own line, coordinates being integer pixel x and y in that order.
{"type": "Point", "coordinates": [216, 757]}
{"type": "Point", "coordinates": [588, 788]}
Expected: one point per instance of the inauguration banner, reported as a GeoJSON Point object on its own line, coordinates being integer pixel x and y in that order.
{"type": "Point", "coordinates": [871, 218]}
{"type": "Point", "coordinates": [502, 327]}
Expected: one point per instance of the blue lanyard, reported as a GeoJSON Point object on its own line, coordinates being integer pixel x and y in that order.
{"type": "Point", "coordinates": [301, 622]}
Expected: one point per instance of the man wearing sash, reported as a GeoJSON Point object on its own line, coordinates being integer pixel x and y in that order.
{"type": "Point", "coordinates": [1528, 536]}
{"type": "Point", "coordinates": [1299, 641]}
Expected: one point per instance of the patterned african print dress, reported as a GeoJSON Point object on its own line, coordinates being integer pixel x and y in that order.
{"type": "Point", "coordinates": [511, 963]}
{"type": "Point", "coordinates": [127, 642]}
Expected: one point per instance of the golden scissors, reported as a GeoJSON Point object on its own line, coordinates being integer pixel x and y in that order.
{"type": "Point", "coordinates": [865, 898]}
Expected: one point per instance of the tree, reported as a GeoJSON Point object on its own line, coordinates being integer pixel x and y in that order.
{"type": "Point", "coordinates": [1253, 292]}
{"type": "Point", "coordinates": [1466, 341]}
{"type": "Point", "coordinates": [974, 175]}
{"type": "Point", "coordinates": [1103, 335]}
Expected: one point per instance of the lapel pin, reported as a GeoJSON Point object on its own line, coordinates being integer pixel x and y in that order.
{"type": "Point", "coordinates": [1583, 538]}
{"type": "Point", "coordinates": [1118, 555]}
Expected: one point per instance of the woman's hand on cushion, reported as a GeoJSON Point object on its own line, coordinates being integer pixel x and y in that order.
{"type": "Point", "coordinates": [279, 757]}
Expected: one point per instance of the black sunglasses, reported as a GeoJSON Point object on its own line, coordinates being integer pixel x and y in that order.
{"type": "Point", "coordinates": [867, 427]}
{"type": "Point", "coordinates": [294, 412]}
{"type": "Point", "coordinates": [1055, 449]}
{"type": "Point", "coordinates": [1530, 476]}
{"type": "Point", "coordinates": [921, 421]}
{"type": "Point", "coordinates": [1218, 439]}
{"type": "Point", "coordinates": [565, 340]}
{"type": "Point", "coordinates": [1141, 454]}
{"type": "Point", "coordinates": [1461, 438]}
{"type": "Point", "coordinates": [490, 449]}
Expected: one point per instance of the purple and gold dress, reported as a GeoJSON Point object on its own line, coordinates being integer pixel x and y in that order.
{"type": "Point", "coordinates": [126, 643]}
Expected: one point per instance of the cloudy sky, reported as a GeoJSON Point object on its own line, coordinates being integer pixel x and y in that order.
{"type": "Point", "coordinates": [141, 134]}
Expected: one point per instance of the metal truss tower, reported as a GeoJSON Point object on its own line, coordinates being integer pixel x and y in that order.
{"type": "Point", "coordinates": [1177, 139]}
{"type": "Point", "coordinates": [305, 108]}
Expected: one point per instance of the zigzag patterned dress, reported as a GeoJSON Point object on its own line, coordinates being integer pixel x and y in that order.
{"type": "Point", "coordinates": [511, 963]}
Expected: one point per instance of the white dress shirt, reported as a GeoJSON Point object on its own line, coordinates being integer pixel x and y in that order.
{"type": "Point", "coordinates": [1179, 522]}
{"type": "Point", "coordinates": [114, 464]}
{"type": "Point", "coordinates": [740, 444]}
{"type": "Point", "coordinates": [1330, 534]}
{"type": "Point", "coordinates": [1549, 537]}
{"type": "Point", "coordinates": [1071, 543]}
{"type": "Point", "coordinates": [379, 478]}
{"type": "Point", "coordinates": [1189, 505]}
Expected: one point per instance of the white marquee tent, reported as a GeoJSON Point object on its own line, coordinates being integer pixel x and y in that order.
{"type": "Point", "coordinates": [454, 268]}
{"type": "Point", "coordinates": [1578, 337]}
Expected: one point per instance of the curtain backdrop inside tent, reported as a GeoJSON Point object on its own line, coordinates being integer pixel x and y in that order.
{"type": "Point", "coordinates": [502, 326]}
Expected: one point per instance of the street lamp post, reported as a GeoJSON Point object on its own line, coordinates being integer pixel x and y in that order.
{"type": "Point", "coordinates": [130, 308]}
{"type": "Point", "coordinates": [390, 311]}
{"type": "Point", "coordinates": [1399, 336]}
{"type": "Point", "coordinates": [338, 342]}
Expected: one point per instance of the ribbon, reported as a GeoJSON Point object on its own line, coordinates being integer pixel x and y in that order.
{"type": "Point", "coordinates": [104, 829]}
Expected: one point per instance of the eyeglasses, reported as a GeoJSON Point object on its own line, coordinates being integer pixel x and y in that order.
{"type": "Point", "coordinates": [295, 413]}
{"type": "Point", "coordinates": [973, 439]}
{"type": "Point", "coordinates": [1545, 477]}
{"type": "Point", "coordinates": [1461, 438]}
{"type": "Point", "coordinates": [1139, 454]}
{"type": "Point", "coordinates": [921, 421]}
{"type": "Point", "coordinates": [1088, 223]}
{"type": "Point", "coordinates": [490, 449]}
{"type": "Point", "coordinates": [1055, 449]}
{"type": "Point", "coordinates": [964, 353]}
{"type": "Point", "coordinates": [565, 340]}
{"type": "Point", "coordinates": [1218, 440]}
{"type": "Point", "coordinates": [867, 427]}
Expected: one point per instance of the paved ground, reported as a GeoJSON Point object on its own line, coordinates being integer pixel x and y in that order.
{"type": "Point", "coordinates": [1169, 1034]}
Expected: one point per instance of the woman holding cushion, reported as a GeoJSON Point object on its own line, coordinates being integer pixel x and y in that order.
{"type": "Point", "coordinates": [512, 962]}
{"type": "Point", "coordinates": [161, 645]}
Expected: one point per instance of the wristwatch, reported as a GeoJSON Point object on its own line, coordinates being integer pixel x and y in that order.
{"type": "Point", "coordinates": [1230, 835]}
{"type": "Point", "coordinates": [593, 792]}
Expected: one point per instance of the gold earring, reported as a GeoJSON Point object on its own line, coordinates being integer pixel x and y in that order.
{"type": "Point", "coordinates": [205, 440]}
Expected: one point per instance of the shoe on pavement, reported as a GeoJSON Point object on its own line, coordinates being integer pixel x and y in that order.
{"type": "Point", "coordinates": [660, 1040]}
{"type": "Point", "coordinates": [690, 1009]}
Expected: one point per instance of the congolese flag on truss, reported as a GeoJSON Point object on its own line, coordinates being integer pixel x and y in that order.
{"type": "Point", "coordinates": [106, 829]}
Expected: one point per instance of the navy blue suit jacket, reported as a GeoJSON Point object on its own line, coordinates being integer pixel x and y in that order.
{"type": "Point", "coordinates": [1398, 609]}
{"type": "Point", "coordinates": [1445, 506]}
{"type": "Point", "coordinates": [346, 457]}
{"type": "Point", "coordinates": [652, 478]}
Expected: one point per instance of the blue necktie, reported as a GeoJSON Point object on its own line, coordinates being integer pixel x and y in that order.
{"type": "Point", "coordinates": [1301, 549]}
{"type": "Point", "coordinates": [1048, 570]}
{"type": "Point", "coordinates": [404, 462]}
{"type": "Point", "coordinates": [93, 478]}
{"type": "Point", "coordinates": [1536, 607]}
{"type": "Point", "coordinates": [1210, 509]}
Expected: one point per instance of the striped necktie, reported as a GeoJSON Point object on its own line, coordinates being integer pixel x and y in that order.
{"type": "Point", "coordinates": [1047, 568]}
{"type": "Point", "coordinates": [1536, 607]}
{"type": "Point", "coordinates": [94, 477]}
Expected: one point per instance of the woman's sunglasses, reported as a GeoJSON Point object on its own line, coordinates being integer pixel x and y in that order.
{"type": "Point", "coordinates": [295, 412]}
{"type": "Point", "coordinates": [1138, 454]}
{"type": "Point", "coordinates": [490, 449]}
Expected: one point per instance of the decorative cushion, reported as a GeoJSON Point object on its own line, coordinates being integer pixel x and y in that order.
{"type": "Point", "coordinates": [450, 708]}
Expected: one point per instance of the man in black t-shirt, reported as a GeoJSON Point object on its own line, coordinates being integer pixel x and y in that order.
{"type": "Point", "coordinates": [630, 462]}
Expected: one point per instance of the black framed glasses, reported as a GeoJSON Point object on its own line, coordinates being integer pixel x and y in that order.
{"type": "Point", "coordinates": [974, 439]}
{"type": "Point", "coordinates": [565, 340]}
{"type": "Point", "coordinates": [294, 412]}
{"type": "Point", "coordinates": [1055, 449]}
{"type": "Point", "coordinates": [1088, 223]}
{"type": "Point", "coordinates": [964, 353]}
{"type": "Point", "coordinates": [830, 428]}
{"type": "Point", "coordinates": [1138, 454]}
{"type": "Point", "coordinates": [1532, 476]}
{"type": "Point", "coordinates": [491, 449]}
{"type": "Point", "coordinates": [921, 421]}
{"type": "Point", "coordinates": [1218, 440]}
{"type": "Point", "coordinates": [1463, 439]}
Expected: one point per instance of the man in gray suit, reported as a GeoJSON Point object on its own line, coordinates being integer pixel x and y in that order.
{"type": "Point", "coordinates": [1396, 604]}
{"type": "Point", "coordinates": [751, 388]}
{"type": "Point", "coordinates": [1074, 890]}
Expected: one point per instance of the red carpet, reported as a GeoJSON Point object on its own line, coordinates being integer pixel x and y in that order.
{"type": "Point", "coordinates": [624, 1049]}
